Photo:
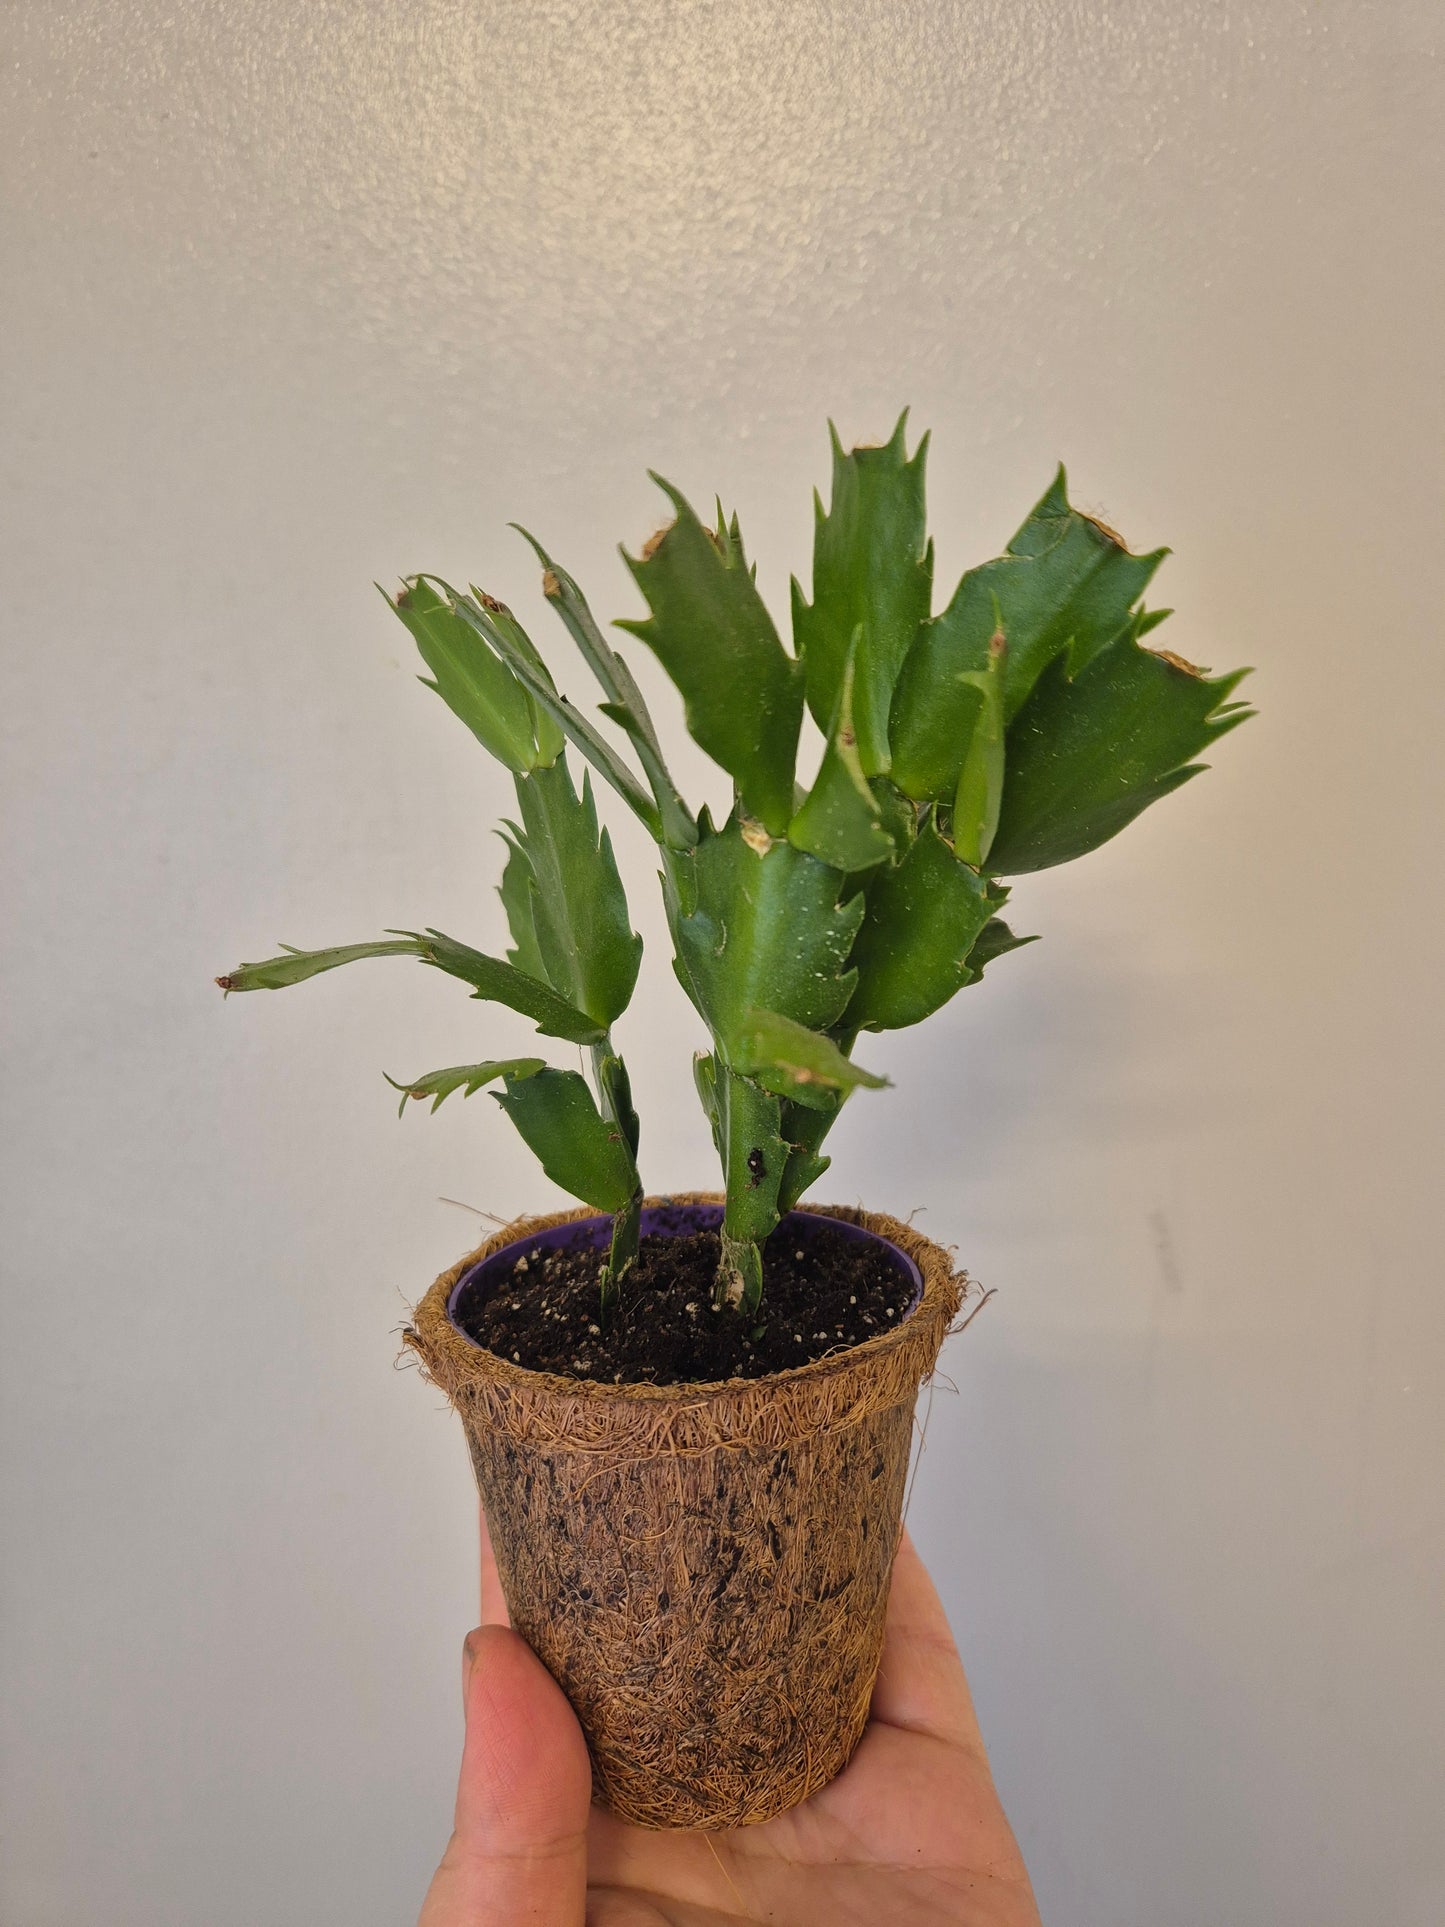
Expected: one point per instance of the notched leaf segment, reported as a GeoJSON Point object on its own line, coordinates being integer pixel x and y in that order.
{"type": "Point", "coordinates": [466, 1078]}
{"type": "Point", "coordinates": [1066, 585]}
{"type": "Point", "coordinates": [841, 821]}
{"type": "Point", "coordinates": [1093, 747]}
{"type": "Point", "coordinates": [921, 923]}
{"type": "Point", "coordinates": [571, 912]}
{"type": "Point", "coordinates": [872, 588]}
{"type": "Point", "coordinates": [625, 705]}
{"type": "Point", "coordinates": [792, 1061]}
{"type": "Point", "coordinates": [578, 1148]}
{"type": "Point", "coordinates": [474, 681]}
{"type": "Point", "coordinates": [490, 978]}
{"type": "Point", "coordinates": [759, 929]}
{"type": "Point", "coordinates": [494, 622]}
{"type": "Point", "coordinates": [709, 628]}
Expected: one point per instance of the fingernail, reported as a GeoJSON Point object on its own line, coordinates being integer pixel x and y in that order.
{"type": "Point", "coordinates": [470, 1646]}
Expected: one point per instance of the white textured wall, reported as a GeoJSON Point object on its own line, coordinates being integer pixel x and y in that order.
{"type": "Point", "coordinates": [295, 296]}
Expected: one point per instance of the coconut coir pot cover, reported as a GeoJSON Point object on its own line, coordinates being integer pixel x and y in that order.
{"type": "Point", "coordinates": [703, 1568]}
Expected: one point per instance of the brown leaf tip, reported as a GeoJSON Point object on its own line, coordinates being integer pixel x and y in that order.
{"type": "Point", "coordinates": [225, 983]}
{"type": "Point", "coordinates": [654, 543]}
{"type": "Point", "coordinates": [1109, 535]}
{"type": "Point", "coordinates": [1180, 662]}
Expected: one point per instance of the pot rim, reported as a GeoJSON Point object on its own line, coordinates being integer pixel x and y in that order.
{"type": "Point", "coordinates": [589, 1231]}
{"type": "Point", "coordinates": [936, 1304]}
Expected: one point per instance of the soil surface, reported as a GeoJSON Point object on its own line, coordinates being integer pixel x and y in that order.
{"type": "Point", "coordinates": [824, 1297]}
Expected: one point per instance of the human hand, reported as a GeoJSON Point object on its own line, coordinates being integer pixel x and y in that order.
{"type": "Point", "coordinates": [910, 1834]}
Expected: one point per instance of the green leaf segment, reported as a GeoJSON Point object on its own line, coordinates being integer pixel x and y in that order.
{"type": "Point", "coordinates": [872, 584]}
{"type": "Point", "coordinates": [713, 635]}
{"type": "Point", "coordinates": [1021, 727]}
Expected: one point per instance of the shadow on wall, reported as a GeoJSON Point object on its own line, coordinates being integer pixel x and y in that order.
{"type": "Point", "coordinates": [1128, 1552]}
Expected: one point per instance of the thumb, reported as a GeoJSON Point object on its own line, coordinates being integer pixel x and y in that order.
{"type": "Point", "coordinates": [518, 1851]}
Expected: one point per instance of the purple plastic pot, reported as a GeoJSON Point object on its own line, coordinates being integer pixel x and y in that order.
{"type": "Point", "coordinates": [661, 1220]}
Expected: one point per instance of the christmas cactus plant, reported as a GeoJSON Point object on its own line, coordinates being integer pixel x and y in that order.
{"type": "Point", "coordinates": [1021, 726]}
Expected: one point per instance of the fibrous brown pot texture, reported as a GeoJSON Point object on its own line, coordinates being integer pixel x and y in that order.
{"type": "Point", "coordinates": [703, 1569]}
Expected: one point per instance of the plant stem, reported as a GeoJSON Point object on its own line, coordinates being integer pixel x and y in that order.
{"type": "Point", "coordinates": [753, 1159]}
{"type": "Point", "coordinates": [622, 1252]}
{"type": "Point", "coordinates": [739, 1284]}
{"type": "Point", "coordinates": [614, 1090]}
{"type": "Point", "coordinates": [614, 1100]}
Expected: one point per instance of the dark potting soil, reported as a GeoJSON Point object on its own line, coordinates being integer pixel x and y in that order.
{"type": "Point", "coordinates": [823, 1297]}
